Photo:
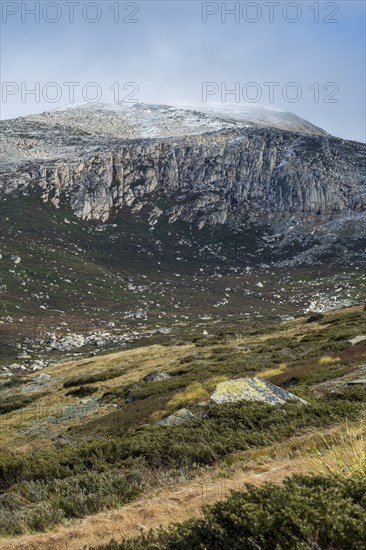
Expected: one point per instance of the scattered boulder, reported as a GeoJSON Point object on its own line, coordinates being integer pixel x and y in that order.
{"type": "Point", "coordinates": [156, 376]}
{"type": "Point", "coordinates": [15, 258]}
{"type": "Point", "coordinates": [14, 366]}
{"type": "Point", "coordinates": [24, 355]}
{"type": "Point", "coordinates": [287, 317]}
{"type": "Point", "coordinates": [251, 389]}
{"type": "Point", "coordinates": [163, 331]}
{"type": "Point", "coordinates": [66, 343]}
{"type": "Point", "coordinates": [38, 365]}
{"type": "Point", "coordinates": [42, 377]}
{"type": "Point", "coordinates": [99, 342]}
{"type": "Point", "coordinates": [179, 417]}
{"type": "Point", "coordinates": [140, 314]}
{"type": "Point", "coordinates": [58, 415]}
{"type": "Point", "coordinates": [357, 339]}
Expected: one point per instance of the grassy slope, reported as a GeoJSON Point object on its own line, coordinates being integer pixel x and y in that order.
{"type": "Point", "coordinates": [120, 444]}
{"type": "Point", "coordinates": [291, 354]}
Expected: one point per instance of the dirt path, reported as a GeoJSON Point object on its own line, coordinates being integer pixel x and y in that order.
{"type": "Point", "coordinates": [163, 508]}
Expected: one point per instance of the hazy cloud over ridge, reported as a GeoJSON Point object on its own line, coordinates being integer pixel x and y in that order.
{"type": "Point", "coordinates": [309, 55]}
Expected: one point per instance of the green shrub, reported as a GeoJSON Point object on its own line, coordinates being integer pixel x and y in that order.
{"type": "Point", "coordinates": [38, 506]}
{"type": "Point", "coordinates": [305, 513]}
{"type": "Point", "coordinates": [38, 517]}
{"type": "Point", "coordinates": [87, 477]}
{"type": "Point", "coordinates": [315, 317]}
{"type": "Point", "coordinates": [83, 391]}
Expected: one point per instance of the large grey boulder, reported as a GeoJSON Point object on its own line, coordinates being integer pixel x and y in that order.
{"type": "Point", "coordinates": [251, 389]}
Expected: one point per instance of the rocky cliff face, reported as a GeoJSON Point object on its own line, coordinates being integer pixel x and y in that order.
{"type": "Point", "coordinates": [231, 171]}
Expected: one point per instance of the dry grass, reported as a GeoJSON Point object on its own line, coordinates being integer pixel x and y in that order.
{"type": "Point", "coordinates": [272, 372]}
{"type": "Point", "coordinates": [343, 453]}
{"type": "Point", "coordinates": [328, 360]}
{"type": "Point", "coordinates": [196, 392]}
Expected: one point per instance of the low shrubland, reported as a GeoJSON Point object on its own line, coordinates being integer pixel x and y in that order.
{"type": "Point", "coordinates": [305, 513]}
{"type": "Point", "coordinates": [64, 481]}
{"type": "Point", "coordinates": [37, 505]}
{"type": "Point", "coordinates": [122, 446]}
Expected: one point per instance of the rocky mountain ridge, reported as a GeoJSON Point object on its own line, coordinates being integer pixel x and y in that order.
{"type": "Point", "coordinates": [228, 171]}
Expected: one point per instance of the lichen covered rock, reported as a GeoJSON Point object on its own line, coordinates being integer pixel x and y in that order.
{"type": "Point", "coordinates": [251, 389]}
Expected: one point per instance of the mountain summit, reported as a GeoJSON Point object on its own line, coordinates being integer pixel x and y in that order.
{"type": "Point", "coordinates": [200, 167]}
{"type": "Point", "coordinates": [158, 203]}
{"type": "Point", "coordinates": [136, 121]}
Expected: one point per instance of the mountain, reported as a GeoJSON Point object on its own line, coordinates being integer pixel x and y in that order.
{"type": "Point", "coordinates": [252, 115]}
{"type": "Point", "coordinates": [204, 168]}
{"type": "Point", "coordinates": [157, 264]}
{"type": "Point", "coordinates": [142, 217]}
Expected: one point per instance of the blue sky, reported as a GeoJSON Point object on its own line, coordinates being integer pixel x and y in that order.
{"type": "Point", "coordinates": [167, 51]}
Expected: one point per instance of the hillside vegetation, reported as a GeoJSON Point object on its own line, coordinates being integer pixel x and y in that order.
{"type": "Point", "coordinates": [81, 438]}
{"type": "Point", "coordinates": [306, 512]}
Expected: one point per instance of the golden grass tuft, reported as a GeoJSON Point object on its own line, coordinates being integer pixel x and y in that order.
{"type": "Point", "coordinates": [272, 372]}
{"type": "Point", "coordinates": [195, 392]}
{"type": "Point", "coordinates": [343, 454]}
{"type": "Point", "coordinates": [328, 360]}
